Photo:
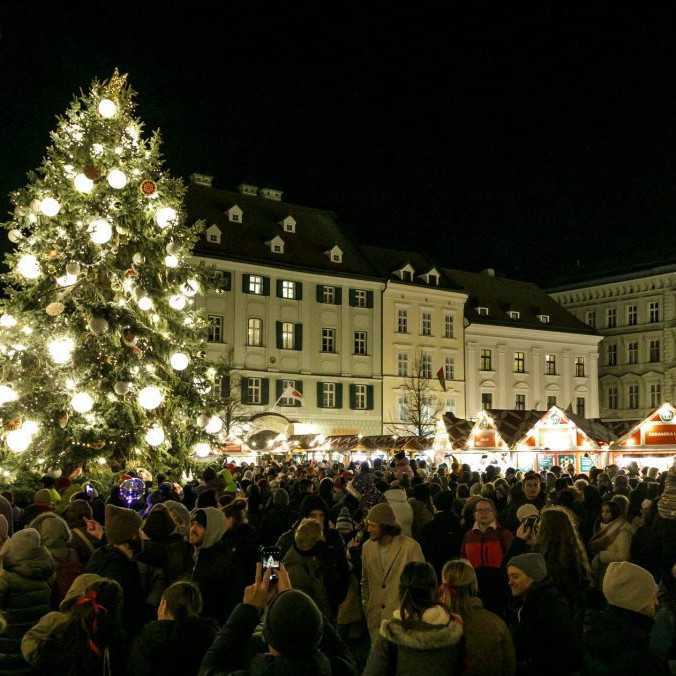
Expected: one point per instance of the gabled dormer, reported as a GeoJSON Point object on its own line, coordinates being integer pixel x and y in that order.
{"type": "Point", "coordinates": [234, 214]}
{"type": "Point", "coordinates": [335, 254]}
{"type": "Point", "coordinates": [289, 224]}
{"type": "Point", "coordinates": [213, 235]}
{"type": "Point", "coordinates": [276, 245]}
{"type": "Point", "coordinates": [406, 273]}
{"type": "Point", "coordinates": [431, 277]}
{"type": "Point", "coordinates": [481, 310]}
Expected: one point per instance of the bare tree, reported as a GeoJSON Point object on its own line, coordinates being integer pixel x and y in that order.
{"type": "Point", "coordinates": [421, 408]}
{"type": "Point", "coordinates": [228, 396]}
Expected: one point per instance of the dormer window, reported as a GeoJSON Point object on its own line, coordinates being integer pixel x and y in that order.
{"type": "Point", "coordinates": [544, 319]}
{"type": "Point", "coordinates": [335, 254]}
{"type": "Point", "coordinates": [214, 235]}
{"type": "Point", "coordinates": [235, 214]}
{"type": "Point", "coordinates": [481, 310]}
{"type": "Point", "coordinates": [276, 245]}
{"type": "Point", "coordinates": [406, 273]}
{"type": "Point", "coordinates": [289, 224]}
{"type": "Point", "coordinates": [431, 277]}
{"type": "Point", "coordinates": [513, 314]}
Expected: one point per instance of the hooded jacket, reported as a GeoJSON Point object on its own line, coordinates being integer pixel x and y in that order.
{"type": "Point", "coordinates": [403, 511]}
{"type": "Point", "coordinates": [428, 646]}
{"type": "Point", "coordinates": [25, 593]}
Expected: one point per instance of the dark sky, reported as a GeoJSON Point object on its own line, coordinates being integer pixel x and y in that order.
{"type": "Point", "coordinates": [534, 142]}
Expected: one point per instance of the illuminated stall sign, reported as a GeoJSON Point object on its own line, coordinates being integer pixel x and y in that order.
{"type": "Point", "coordinates": [659, 434]}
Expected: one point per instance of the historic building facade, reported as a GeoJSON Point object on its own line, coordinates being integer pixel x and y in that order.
{"type": "Point", "coordinates": [635, 312]}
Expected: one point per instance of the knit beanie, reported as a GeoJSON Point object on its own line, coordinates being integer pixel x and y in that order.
{"type": "Point", "coordinates": [382, 514]}
{"type": "Point", "coordinates": [280, 498]}
{"type": "Point", "coordinates": [122, 524]}
{"type": "Point", "coordinates": [43, 497]}
{"type": "Point", "coordinates": [344, 522]}
{"type": "Point", "coordinates": [631, 587]}
{"type": "Point", "coordinates": [532, 564]}
{"type": "Point", "coordinates": [308, 535]}
{"type": "Point", "coordinates": [76, 511]}
{"type": "Point", "coordinates": [21, 546]}
{"type": "Point", "coordinates": [526, 511]}
{"type": "Point", "coordinates": [293, 624]}
{"type": "Point", "coordinates": [666, 505]}
{"type": "Point", "coordinates": [313, 503]}
{"type": "Point", "coordinates": [159, 525]}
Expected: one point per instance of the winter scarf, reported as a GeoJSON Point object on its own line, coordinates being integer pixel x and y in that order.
{"type": "Point", "coordinates": [606, 536]}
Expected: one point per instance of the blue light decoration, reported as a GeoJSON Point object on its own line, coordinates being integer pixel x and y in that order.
{"type": "Point", "coordinates": [132, 490]}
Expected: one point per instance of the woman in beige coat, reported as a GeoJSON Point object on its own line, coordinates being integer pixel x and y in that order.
{"type": "Point", "coordinates": [612, 542]}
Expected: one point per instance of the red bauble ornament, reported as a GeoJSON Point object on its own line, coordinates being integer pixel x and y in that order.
{"type": "Point", "coordinates": [148, 187]}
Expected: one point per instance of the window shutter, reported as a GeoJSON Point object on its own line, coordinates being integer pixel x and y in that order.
{"type": "Point", "coordinates": [320, 293]}
{"type": "Point", "coordinates": [265, 391]}
{"type": "Point", "coordinates": [266, 286]}
{"type": "Point", "coordinates": [299, 387]}
{"type": "Point", "coordinates": [339, 395]}
{"type": "Point", "coordinates": [353, 396]}
{"type": "Point", "coordinates": [278, 331]}
{"type": "Point", "coordinates": [369, 397]}
{"type": "Point", "coordinates": [353, 298]}
{"type": "Point", "coordinates": [279, 288]}
{"type": "Point", "coordinates": [320, 399]}
{"type": "Point", "coordinates": [369, 299]}
{"type": "Point", "coordinates": [297, 336]}
{"type": "Point", "coordinates": [298, 290]}
{"type": "Point", "coordinates": [339, 295]}
{"type": "Point", "coordinates": [245, 389]}
{"type": "Point", "coordinates": [226, 281]}
{"type": "Point", "coordinates": [278, 389]}
{"type": "Point", "coordinates": [245, 283]}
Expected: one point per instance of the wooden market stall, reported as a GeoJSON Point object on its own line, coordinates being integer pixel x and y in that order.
{"type": "Point", "coordinates": [651, 442]}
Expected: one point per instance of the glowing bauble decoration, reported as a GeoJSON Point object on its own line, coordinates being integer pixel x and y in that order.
{"type": "Point", "coordinates": [61, 349]}
{"type": "Point", "coordinates": [132, 490]}
{"type": "Point", "coordinates": [138, 259]}
{"type": "Point", "coordinates": [28, 266]}
{"type": "Point", "coordinates": [117, 179]}
{"type": "Point", "coordinates": [145, 303]}
{"type": "Point", "coordinates": [7, 394]}
{"type": "Point", "coordinates": [149, 398]}
{"type": "Point", "coordinates": [190, 288]}
{"type": "Point", "coordinates": [202, 449]}
{"type": "Point", "coordinates": [73, 268]}
{"type": "Point", "coordinates": [100, 231]}
{"type": "Point", "coordinates": [179, 361]}
{"type": "Point", "coordinates": [155, 435]}
{"type": "Point", "coordinates": [15, 236]}
{"type": "Point", "coordinates": [107, 108]}
{"type": "Point", "coordinates": [66, 280]}
{"type": "Point", "coordinates": [98, 326]}
{"type": "Point", "coordinates": [18, 440]}
{"type": "Point", "coordinates": [177, 302]}
{"type": "Point", "coordinates": [7, 321]}
{"type": "Point", "coordinates": [122, 387]}
{"type": "Point", "coordinates": [49, 207]}
{"type": "Point", "coordinates": [171, 261]}
{"type": "Point", "coordinates": [165, 216]}
{"type": "Point", "coordinates": [82, 402]}
{"type": "Point", "coordinates": [83, 184]}
{"type": "Point", "coordinates": [214, 426]}
{"type": "Point", "coordinates": [55, 309]}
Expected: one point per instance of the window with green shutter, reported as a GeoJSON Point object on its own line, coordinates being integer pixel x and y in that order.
{"type": "Point", "coordinates": [298, 337]}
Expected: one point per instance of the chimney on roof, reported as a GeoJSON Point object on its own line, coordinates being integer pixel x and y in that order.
{"type": "Point", "coordinates": [271, 194]}
{"type": "Point", "coordinates": [489, 272]}
{"type": "Point", "coordinates": [248, 189]}
{"type": "Point", "coordinates": [202, 179]}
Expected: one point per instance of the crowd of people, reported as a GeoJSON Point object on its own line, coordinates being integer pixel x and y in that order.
{"type": "Point", "coordinates": [391, 567]}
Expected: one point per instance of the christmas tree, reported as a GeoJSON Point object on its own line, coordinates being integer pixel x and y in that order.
{"type": "Point", "coordinates": [101, 344]}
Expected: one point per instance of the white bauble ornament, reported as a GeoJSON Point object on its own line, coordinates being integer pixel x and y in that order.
{"type": "Point", "coordinates": [61, 349]}
{"type": "Point", "coordinates": [190, 288]}
{"type": "Point", "coordinates": [138, 259]}
{"type": "Point", "coordinates": [165, 216]}
{"type": "Point", "coordinates": [179, 361]}
{"type": "Point", "coordinates": [49, 207]}
{"type": "Point", "coordinates": [83, 184]}
{"type": "Point", "coordinates": [14, 236]}
{"type": "Point", "coordinates": [82, 402]}
{"type": "Point", "coordinates": [66, 280]}
{"type": "Point", "coordinates": [150, 397]}
{"type": "Point", "coordinates": [171, 261]}
{"type": "Point", "coordinates": [100, 231]}
{"type": "Point", "coordinates": [7, 394]}
{"type": "Point", "coordinates": [55, 309]}
{"type": "Point", "coordinates": [202, 449]}
{"type": "Point", "coordinates": [98, 326]}
{"type": "Point", "coordinates": [18, 440]}
{"type": "Point", "coordinates": [214, 426]}
{"type": "Point", "coordinates": [145, 303]}
{"type": "Point", "coordinates": [107, 108]}
{"type": "Point", "coordinates": [122, 387]}
{"type": "Point", "coordinates": [73, 268]}
{"type": "Point", "coordinates": [155, 436]}
{"type": "Point", "coordinates": [7, 321]}
{"type": "Point", "coordinates": [177, 302]}
{"type": "Point", "coordinates": [28, 266]}
{"type": "Point", "coordinates": [117, 179]}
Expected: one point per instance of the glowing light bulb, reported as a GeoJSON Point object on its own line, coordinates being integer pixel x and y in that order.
{"type": "Point", "coordinates": [101, 460]}
{"type": "Point", "coordinates": [49, 207]}
{"type": "Point", "coordinates": [214, 426]}
{"type": "Point", "coordinates": [61, 349]}
{"type": "Point", "coordinates": [179, 361]}
{"type": "Point", "coordinates": [145, 303]}
{"type": "Point", "coordinates": [100, 231]}
{"type": "Point", "coordinates": [7, 394]}
{"type": "Point", "coordinates": [171, 261]}
{"type": "Point", "coordinates": [165, 216]}
{"type": "Point", "coordinates": [107, 108]}
{"type": "Point", "coordinates": [177, 302]}
{"type": "Point", "coordinates": [18, 440]}
{"type": "Point", "coordinates": [7, 321]}
{"type": "Point", "coordinates": [83, 184]}
{"type": "Point", "coordinates": [149, 398]}
{"type": "Point", "coordinates": [117, 179]}
{"type": "Point", "coordinates": [155, 435]}
{"type": "Point", "coordinates": [202, 449]}
{"type": "Point", "coordinates": [191, 288]}
{"type": "Point", "coordinates": [28, 266]}
{"type": "Point", "coordinates": [82, 402]}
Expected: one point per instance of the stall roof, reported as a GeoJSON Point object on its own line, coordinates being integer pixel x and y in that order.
{"type": "Point", "coordinates": [659, 438]}
{"type": "Point", "coordinates": [594, 428]}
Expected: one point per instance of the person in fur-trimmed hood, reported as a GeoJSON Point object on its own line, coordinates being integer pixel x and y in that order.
{"type": "Point", "coordinates": [422, 637]}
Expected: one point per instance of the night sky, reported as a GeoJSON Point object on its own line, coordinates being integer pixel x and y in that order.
{"type": "Point", "coordinates": [535, 143]}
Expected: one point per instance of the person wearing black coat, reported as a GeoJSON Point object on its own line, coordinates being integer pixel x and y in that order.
{"type": "Point", "coordinates": [543, 617]}
{"type": "Point", "coordinates": [441, 538]}
{"type": "Point", "coordinates": [277, 519]}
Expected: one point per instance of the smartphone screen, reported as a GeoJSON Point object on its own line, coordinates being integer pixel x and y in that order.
{"type": "Point", "coordinates": [270, 560]}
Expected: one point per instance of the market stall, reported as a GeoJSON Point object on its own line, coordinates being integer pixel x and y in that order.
{"type": "Point", "coordinates": [651, 442]}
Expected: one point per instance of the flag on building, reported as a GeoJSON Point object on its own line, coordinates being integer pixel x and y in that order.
{"type": "Point", "coordinates": [442, 378]}
{"type": "Point", "coordinates": [292, 393]}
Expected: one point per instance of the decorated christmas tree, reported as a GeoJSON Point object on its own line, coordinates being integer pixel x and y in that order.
{"type": "Point", "coordinates": [101, 344]}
